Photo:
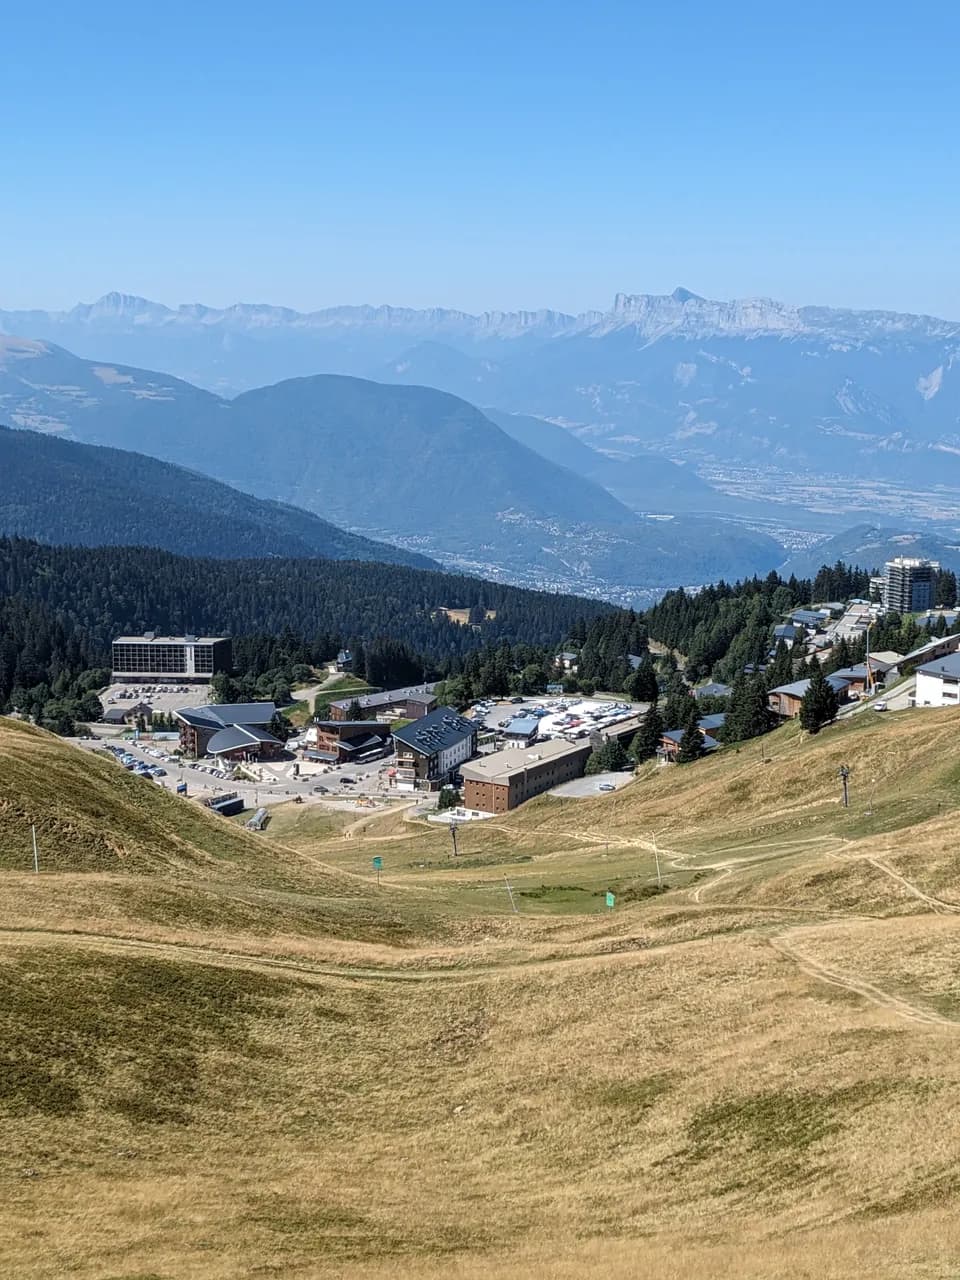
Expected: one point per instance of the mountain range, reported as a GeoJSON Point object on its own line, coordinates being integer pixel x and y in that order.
{"type": "Point", "coordinates": [746, 383]}
{"type": "Point", "coordinates": [397, 463]}
{"type": "Point", "coordinates": [59, 491]}
{"type": "Point", "coordinates": [870, 545]}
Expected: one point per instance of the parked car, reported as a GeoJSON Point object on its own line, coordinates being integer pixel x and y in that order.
{"type": "Point", "coordinates": [606, 786]}
{"type": "Point", "coordinates": [879, 706]}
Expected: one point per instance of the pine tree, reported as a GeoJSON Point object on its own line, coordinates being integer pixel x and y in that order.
{"type": "Point", "coordinates": [641, 685]}
{"type": "Point", "coordinates": [819, 704]}
{"type": "Point", "coordinates": [647, 738]}
{"type": "Point", "coordinates": [680, 704]}
{"type": "Point", "coordinates": [946, 588]}
{"type": "Point", "coordinates": [757, 715]}
{"type": "Point", "coordinates": [840, 657]}
{"type": "Point", "coordinates": [780, 670]}
{"type": "Point", "coordinates": [735, 725]}
{"type": "Point", "coordinates": [691, 744]}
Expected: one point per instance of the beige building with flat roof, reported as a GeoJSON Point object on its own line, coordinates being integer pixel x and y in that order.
{"type": "Point", "coordinates": [505, 779]}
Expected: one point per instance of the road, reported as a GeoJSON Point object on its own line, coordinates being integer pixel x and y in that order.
{"type": "Point", "coordinates": [899, 699]}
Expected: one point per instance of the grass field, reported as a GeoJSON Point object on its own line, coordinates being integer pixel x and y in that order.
{"type": "Point", "coordinates": [226, 1055]}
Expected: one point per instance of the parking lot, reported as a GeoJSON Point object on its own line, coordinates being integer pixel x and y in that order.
{"type": "Point", "coordinates": [272, 784]}
{"type": "Point", "coordinates": [162, 697]}
{"type": "Point", "coordinates": [598, 784]}
{"type": "Point", "coordinates": [568, 716]}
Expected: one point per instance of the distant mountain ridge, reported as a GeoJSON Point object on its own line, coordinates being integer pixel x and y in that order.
{"type": "Point", "coordinates": [870, 545]}
{"type": "Point", "coordinates": [405, 464]}
{"type": "Point", "coordinates": [682, 313]}
{"type": "Point", "coordinates": [58, 491]}
{"type": "Point", "coordinates": [749, 383]}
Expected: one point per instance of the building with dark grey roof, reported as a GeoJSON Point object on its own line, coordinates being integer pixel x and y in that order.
{"type": "Point", "coordinates": [431, 750]}
{"type": "Point", "coordinates": [713, 690]}
{"type": "Point", "coordinates": [231, 730]}
{"type": "Point", "coordinates": [938, 682]}
{"type": "Point", "coordinates": [409, 703]}
{"type": "Point", "coordinates": [784, 701]}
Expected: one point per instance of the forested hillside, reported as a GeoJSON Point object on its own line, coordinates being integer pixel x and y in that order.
{"type": "Point", "coordinates": [61, 606]}
{"type": "Point", "coordinates": [63, 492]}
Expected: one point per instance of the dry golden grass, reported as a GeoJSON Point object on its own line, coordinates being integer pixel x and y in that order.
{"type": "Point", "coordinates": [205, 1075]}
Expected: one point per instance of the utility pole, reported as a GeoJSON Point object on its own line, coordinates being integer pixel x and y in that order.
{"type": "Point", "coordinates": [510, 894]}
{"type": "Point", "coordinates": [656, 858]}
{"type": "Point", "coordinates": [453, 837]}
{"type": "Point", "coordinates": [36, 858]}
{"type": "Point", "coordinates": [844, 773]}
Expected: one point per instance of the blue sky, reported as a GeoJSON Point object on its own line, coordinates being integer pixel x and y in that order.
{"type": "Point", "coordinates": [481, 155]}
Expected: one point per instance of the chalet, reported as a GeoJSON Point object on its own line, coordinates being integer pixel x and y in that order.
{"type": "Point", "coordinates": [230, 730]}
{"type": "Point", "coordinates": [670, 744]}
{"type": "Point", "coordinates": [708, 726]}
{"type": "Point", "coordinates": [788, 631]}
{"type": "Point", "coordinates": [928, 652]}
{"type": "Point", "coordinates": [712, 724]}
{"type": "Point", "coordinates": [346, 741]}
{"type": "Point", "coordinates": [431, 750]}
{"type": "Point", "coordinates": [784, 701]}
{"type": "Point", "coordinates": [713, 690]}
{"type": "Point", "coordinates": [812, 619]}
{"type": "Point", "coordinates": [885, 665]}
{"type": "Point", "coordinates": [499, 782]}
{"type": "Point", "coordinates": [856, 678]}
{"type": "Point", "coordinates": [567, 661]}
{"type": "Point", "coordinates": [411, 703]}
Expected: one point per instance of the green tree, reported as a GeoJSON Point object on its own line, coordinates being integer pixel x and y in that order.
{"type": "Point", "coordinates": [534, 678]}
{"type": "Point", "coordinates": [608, 758]}
{"type": "Point", "coordinates": [680, 703]}
{"type": "Point", "coordinates": [354, 711]}
{"type": "Point", "coordinates": [780, 670]}
{"type": "Point", "coordinates": [647, 738]}
{"type": "Point", "coordinates": [819, 704]}
{"type": "Point", "coordinates": [641, 685]}
{"type": "Point", "coordinates": [454, 692]}
{"type": "Point", "coordinates": [946, 591]}
{"type": "Point", "coordinates": [749, 714]}
{"type": "Point", "coordinates": [691, 744]}
{"type": "Point", "coordinates": [280, 727]}
{"type": "Point", "coordinates": [448, 798]}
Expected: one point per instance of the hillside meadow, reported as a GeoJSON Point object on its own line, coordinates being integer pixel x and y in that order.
{"type": "Point", "coordinates": [228, 1054]}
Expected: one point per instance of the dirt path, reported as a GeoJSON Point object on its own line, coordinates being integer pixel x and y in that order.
{"type": "Point", "coordinates": [938, 904]}
{"type": "Point", "coordinates": [848, 982]}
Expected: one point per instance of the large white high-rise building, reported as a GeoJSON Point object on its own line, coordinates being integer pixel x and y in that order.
{"type": "Point", "coordinates": [908, 584]}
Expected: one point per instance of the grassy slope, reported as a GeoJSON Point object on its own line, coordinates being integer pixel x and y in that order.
{"type": "Point", "coordinates": [754, 1074]}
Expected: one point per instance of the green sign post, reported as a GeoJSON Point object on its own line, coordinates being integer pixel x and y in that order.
{"type": "Point", "coordinates": [611, 900]}
{"type": "Point", "coordinates": [378, 867]}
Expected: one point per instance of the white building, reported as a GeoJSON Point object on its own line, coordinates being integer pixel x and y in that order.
{"type": "Point", "coordinates": [938, 682]}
